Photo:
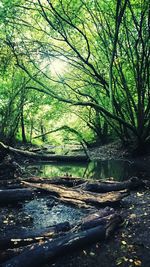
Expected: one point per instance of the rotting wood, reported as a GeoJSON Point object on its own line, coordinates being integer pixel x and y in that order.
{"type": "Point", "coordinates": [70, 194]}
{"type": "Point", "coordinates": [38, 254]}
{"type": "Point", "coordinates": [7, 254]}
{"type": "Point", "coordinates": [92, 186]}
{"type": "Point", "coordinates": [96, 217]}
{"type": "Point", "coordinates": [33, 155]}
{"type": "Point", "coordinates": [103, 187]}
{"type": "Point", "coordinates": [11, 186]}
{"type": "Point", "coordinates": [32, 236]}
{"type": "Point", "coordinates": [101, 216]}
{"type": "Point", "coordinates": [73, 202]}
{"type": "Point", "coordinates": [6, 182]}
{"type": "Point", "coordinates": [60, 180]}
{"type": "Point", "coordinates": [10, 196]}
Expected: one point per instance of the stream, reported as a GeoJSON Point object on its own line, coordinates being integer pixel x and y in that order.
{"type": "Point", "coordinates": [115, 169]}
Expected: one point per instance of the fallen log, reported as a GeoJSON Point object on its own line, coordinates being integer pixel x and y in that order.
{"type": "Point", "coordinates": [6, 182]}
{"type": "Point", "coordinates": [32, 236]}
{"type": "Point", "coordinates": [11, 186]}
{"type": "Point", "coordinates": [60, 180]}
{"type": "Point", "coordinates": [49, 251]}
{"type": "Point", "coordinates": [46, 157]}
{"type": "Point", "coordinates": [7, 254]}
{"type": "Point", "coordinates": [10, 196]}
{"type": "Point", "coordinates": [71, 195]}
{"type": "Point", "coordinates": [103, 187]}
{"type": "Point", "coordinates": [99, 217]}
{"type": "Point", "coordinates": [73, 202]}
{"type": "Point", "coordinates": [92, 186]}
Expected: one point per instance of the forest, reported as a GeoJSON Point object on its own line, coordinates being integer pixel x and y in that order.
{"type": "Point", "coordinates": [75, 70]}
{"type": "Point", "coordinates": [74, 132]}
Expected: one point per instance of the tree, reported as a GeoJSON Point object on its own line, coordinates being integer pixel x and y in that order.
{"type": "Point", "coordinates": [106, 50]}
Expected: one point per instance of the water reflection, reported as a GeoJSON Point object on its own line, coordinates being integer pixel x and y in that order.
{"type": "Point", "coordinates": [118, 169]}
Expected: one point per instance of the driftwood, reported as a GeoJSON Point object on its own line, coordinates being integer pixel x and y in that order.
{"type": "Point", "coordinates": [7, 254]}
{"type": "Point", "coordinates": [10, 196]}
{"type": "Point", "coordinates": [74, 195]}
{"type": "Point", "coordinates": [60, 180]}
{"type": "Point", "coordinates": [43, 156]}
{"type": "Point", "coordinates": [5, 182]}
{"type": "Point", "coordinates": [18, 239]}
{"type": "Point", "coordinates": [32, 236]}
{"type": "Point", "coordinates": [12, 186]}
{"type": "Point", "coordinates": [103, 187]}
{"type": "Point", "coordinates": [38, 254]}
{"type": "Point", "coordinates": [92, 186]}
{"type": "Point", "coordinates": [99, 217]}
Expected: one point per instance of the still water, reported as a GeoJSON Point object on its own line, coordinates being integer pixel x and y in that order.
{"type": "Point", "coordinates": [118, 169]}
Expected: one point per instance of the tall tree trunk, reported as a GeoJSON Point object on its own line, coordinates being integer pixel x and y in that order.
{"type": "Point", "coordinates": [24, 139]}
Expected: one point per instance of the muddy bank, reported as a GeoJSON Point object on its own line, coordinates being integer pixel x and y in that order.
{"type": "Point", "coordinates": [109, 152]}
{"type": "Point", "coordinates": [116, 151]}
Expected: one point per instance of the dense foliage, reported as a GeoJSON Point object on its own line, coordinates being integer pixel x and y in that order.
{"type": "Point", "coordinates": [75, 69]}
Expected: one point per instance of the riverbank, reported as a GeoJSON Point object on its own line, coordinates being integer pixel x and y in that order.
{"type": "Point", "coordinates": [115, 151]}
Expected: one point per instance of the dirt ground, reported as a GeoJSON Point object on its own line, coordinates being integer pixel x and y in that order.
{"type": "Point", "coordinates": [110, 151]}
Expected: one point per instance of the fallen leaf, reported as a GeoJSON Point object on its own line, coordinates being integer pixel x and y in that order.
{"type": "Point", "coordinates": [84, 252]}
{"type": "Point", "coordinates": [119, 261]}
{"type": "Point", "coordinates": [140, 194]}
{"type": "Point", "coordinates": [125, 259]}
{"type": "Point", "coordinates": [92, 254]}
{"type": "Point", "coordinates": [5, 221]}
{"type": "Point", "coordinates": [123, 242]}
{"type": "Point", "coordinates": [137, 263]}
{"type": "Point", "coordinates": [132, 216]}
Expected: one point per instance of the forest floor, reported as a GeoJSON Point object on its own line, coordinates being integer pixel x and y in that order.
{"type": "Point", "coordinates": [115, 151]}
{"type": "Point", "coordinates": [128, 247]}
{"type": "Point", "coordinates": [110, 151]}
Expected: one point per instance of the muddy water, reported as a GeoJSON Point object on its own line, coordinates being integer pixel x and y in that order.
{"type": "Point", "coordinates": [118, 169]}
